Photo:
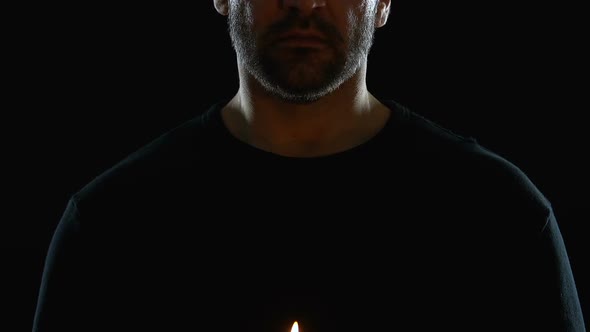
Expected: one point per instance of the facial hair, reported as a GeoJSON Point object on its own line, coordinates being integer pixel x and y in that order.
{"type": "Point", "coordinates": [300, 75]}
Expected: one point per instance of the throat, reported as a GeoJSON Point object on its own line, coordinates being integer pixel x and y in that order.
{"type": "Point", "coordinates": [307, 145]}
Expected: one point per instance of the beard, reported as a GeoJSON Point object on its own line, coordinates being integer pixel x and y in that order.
{"type": "Point", "coordinates": [299, 75]}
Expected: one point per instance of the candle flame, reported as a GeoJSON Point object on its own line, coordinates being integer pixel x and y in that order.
{"type": "Point", "coordinates": [295, 327]}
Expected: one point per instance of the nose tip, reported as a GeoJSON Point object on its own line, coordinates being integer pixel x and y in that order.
{"type": "Point", "coordinates": [305, 5]}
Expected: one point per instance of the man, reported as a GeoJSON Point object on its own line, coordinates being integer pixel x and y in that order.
{"type": "Point", "coordinates": [305, 198]}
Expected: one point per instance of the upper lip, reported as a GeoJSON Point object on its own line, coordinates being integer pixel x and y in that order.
{"type": "Point", "coordinates": [302, 35]}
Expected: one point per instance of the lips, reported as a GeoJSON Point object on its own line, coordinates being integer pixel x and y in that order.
{"type": "Point", "coordinates": [297, 38]}
{"type": "Point", "coordinates": [302, 34]}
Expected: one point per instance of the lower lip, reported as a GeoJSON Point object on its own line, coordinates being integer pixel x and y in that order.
{"type": "Point", "coordinates": [302, 42]}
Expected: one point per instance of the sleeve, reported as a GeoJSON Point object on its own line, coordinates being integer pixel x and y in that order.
{"type": "Point", "coordinates": [538, 289]}
{"type": "Point", "coordinates": [58, 304]}
{"type": "Point", "coordinates": [566, 310]}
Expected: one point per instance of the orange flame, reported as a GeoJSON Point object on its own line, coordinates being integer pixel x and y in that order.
{"type": "Point", "coordinates": [295, 327]}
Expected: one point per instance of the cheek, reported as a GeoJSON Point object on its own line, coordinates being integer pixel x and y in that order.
{"type": "Point", "coordinates": [349, 18]}
{"type": "Point", "coordinates": [259, 13]}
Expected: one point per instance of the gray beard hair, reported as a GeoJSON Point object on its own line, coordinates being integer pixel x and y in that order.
{"type": "Point", "coordinates": [263, 69]}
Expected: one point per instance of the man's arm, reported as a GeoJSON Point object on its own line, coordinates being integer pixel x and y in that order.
{"type": "Point", "coordinates": [555, 265]}
{"type": "Point", "coordinates": [58, 304]}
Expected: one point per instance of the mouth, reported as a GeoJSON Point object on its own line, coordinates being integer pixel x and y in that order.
{"type": "Point", "coordinates": [302, 38]}
{"type": "Point", "coordinates": [302, 41]}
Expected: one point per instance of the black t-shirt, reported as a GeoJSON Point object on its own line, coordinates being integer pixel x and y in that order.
{"type": "Point", "coordinates": [416, 229]}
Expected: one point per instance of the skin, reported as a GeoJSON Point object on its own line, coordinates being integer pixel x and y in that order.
{"type": "Point", "coordinates": [297, 99]}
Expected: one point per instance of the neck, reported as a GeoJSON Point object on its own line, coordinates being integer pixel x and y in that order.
{"type": "Point", "coordinates": [348, 117]}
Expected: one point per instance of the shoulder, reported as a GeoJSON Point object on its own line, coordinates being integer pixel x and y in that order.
{"type": "Point", "coordinates": [164, 160]}
{"type": "Point", "coordinates": [421, 134]}
{"type": "Point", "coordinates": [471, 171]}
{"type": "Point", "coordinates": [489, 169]}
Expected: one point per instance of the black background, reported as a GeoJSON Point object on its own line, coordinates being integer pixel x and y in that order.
{"type": "Point", "coordinates": [89, 83]}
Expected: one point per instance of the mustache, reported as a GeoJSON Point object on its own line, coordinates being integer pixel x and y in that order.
{"type": "Point", "coordinates": [294, 20]}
